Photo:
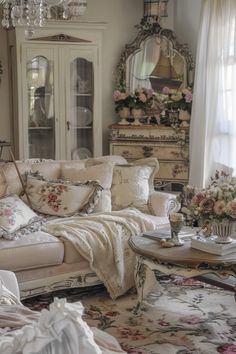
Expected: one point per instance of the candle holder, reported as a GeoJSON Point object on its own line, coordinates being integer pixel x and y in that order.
{"type": "Point", "coordinates": [176, 223]}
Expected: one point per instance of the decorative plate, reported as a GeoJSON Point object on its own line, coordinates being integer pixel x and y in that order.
{"type": "Point", "coordinates": [81, 154]}
{"type": "Point", "coordinates": [83, 116]}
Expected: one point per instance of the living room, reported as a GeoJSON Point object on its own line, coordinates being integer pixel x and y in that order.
{"type": "Point", "coordinates": [107, 172]}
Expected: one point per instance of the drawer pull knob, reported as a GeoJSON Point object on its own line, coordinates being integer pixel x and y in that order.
{"type": "Point", "coordinates": [147, 154]}
{"type": "Point", "coordinates": [147, 148]}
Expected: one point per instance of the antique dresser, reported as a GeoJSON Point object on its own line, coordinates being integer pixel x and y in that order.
{"type": "Point", "coordinates": [169, 145]}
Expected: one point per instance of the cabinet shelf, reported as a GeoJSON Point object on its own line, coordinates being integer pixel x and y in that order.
{"type": "Point", "coordinates": [40, 128]}
{"type": "Point", "coordinates": [81, 127]}
{"type": "Point", "coordinates": [89, 94]}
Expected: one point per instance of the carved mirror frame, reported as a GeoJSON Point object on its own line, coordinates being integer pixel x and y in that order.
{"type": "Point", "coordinates": [147, 30]}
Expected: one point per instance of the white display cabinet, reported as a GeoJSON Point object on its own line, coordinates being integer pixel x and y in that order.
{"type": "Point", "coordinates": [57, 98]}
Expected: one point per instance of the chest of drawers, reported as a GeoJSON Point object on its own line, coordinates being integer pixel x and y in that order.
{"type": "Point", "coordinates": [170, 146]}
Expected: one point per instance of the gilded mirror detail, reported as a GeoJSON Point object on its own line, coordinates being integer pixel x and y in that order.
{"type": "Point", "coordinates": [155, 60]}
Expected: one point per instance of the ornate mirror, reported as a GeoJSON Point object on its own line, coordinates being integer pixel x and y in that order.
{"type": "Point", "coordinates": [155, 60]}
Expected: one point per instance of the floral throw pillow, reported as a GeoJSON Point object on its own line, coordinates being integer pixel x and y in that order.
{"type": "Point", "coordinates": [62, 198]}
{"type": "Point", "coordinates": [14, 215]}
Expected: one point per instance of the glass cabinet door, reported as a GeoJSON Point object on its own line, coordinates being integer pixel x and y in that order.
{"type": "Point", "coordinates": [41, 116]}
{"type": "Point", "coordinates": [80, 114]}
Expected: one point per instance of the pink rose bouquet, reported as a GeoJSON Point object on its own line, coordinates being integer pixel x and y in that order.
{"type": "Point", "coordinates": [178, 99]}
{"type": "Point", "coordinates": [216, 202]}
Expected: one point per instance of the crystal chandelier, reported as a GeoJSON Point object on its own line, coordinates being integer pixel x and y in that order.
{"type": "Point", "coordinates": [34, 13]}
{"type": "Point", "coordinates": [155, 8]}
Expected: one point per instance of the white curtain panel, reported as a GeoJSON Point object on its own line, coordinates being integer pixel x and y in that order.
{"type": "Point", "coordinates": [213, 127]}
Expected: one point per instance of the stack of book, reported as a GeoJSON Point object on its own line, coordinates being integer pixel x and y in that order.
{"type": "Point", "coordinates": [210, 246]}
{"type": "Point", "coordinates": [164, 232]}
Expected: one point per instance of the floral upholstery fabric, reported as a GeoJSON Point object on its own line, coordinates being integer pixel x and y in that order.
{"type": "Point", "coordinates": [14, 215]}
{"type": "Point", "coordinates": [62, 198]}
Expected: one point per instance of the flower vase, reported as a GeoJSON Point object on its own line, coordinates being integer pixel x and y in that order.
{"type": "Point", "coordinates": [137, 114]}
{"type": "Point", "coordinates": [223, 229]}
{"type": "Point", "coordinates": [173, 116]}
{"type": "Point", "coordinates": [124, 113]}
{"type": "Point", "coordinates": [184, 116]}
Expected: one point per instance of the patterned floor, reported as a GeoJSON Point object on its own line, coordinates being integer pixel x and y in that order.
{"type": "Point", "coordinates": [188, 317]}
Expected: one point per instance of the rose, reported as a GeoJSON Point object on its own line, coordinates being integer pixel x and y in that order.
{"type": "Point", "coordinates": [227, 348]}
{"type": "Point", "coordinates": [196, 200]}
{"type": "Point", "coordinates": [189, 97]}
{"type": "Point", "coordinates": [143, 97]}
{"type": "Point", "coordinates": [207, 205]}
{"type": "Point", "coordinates": [231, 208]}
{"type": "Point", "coordinates": [219, 207]}
{"type": "Point", "coordinates": [166, 90]}
{"type": "Point", "coordinates": [118, 95]}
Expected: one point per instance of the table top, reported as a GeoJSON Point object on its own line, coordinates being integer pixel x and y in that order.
{"type": "Point", "coordinates": [178, 255]}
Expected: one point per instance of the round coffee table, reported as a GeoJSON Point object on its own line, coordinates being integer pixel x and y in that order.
{"type": "Point", "coordinates": [184, 261]}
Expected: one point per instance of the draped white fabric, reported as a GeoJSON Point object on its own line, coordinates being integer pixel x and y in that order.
{"type": "Point", "coordinates": [213, 127]}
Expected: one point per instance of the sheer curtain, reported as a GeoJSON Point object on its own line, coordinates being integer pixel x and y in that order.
{"type": "Point", "coordinates": [213, 126]}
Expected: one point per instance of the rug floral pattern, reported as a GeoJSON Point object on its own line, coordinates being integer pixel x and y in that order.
{"type": "Point", "coordinates": [187, 317]}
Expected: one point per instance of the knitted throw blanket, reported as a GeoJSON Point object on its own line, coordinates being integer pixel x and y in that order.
{"type": "Point", "coordinates": [102, 239]}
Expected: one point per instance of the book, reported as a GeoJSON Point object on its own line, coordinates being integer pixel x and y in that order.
{"type": "Point", "coordinates": [165, 233]}
{"type": "Point", "coordinates": [210, 246]}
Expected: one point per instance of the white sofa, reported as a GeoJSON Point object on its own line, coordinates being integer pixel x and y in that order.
{"type": "Point", "coordinates": [42, 262]}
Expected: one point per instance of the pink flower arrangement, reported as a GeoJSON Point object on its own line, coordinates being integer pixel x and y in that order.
{"type": "Point", "coordinates": [141, 98]}
{"type": "Point", "coordinates": [178, 99]}
{"type": "Point", "coordinates": [122, 99]}
{"type": "Point", "coordinates": [217, 202]}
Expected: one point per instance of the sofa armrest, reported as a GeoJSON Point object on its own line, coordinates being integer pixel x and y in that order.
{"type": "Point", "coordinates": [8, 279]}
{"type": "Point", "coordinates": [161, 203]}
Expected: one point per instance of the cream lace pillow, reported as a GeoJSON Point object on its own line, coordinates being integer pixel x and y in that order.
{"type": "Point", "coordinates": [14, 215]}
{"type": "Point", "coordinates": [62, 198]}
{"type": "Point", "coordinates": [102, 173]}
{"type": "Point", "coordinates": [133, 183]}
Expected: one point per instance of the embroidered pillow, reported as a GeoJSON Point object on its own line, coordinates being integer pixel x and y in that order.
{"type": "Point", "coordinates": [62, 198]}
{"type": "Point", "coordinates": [102, 173]}
{"type": "Point", "coordinates": [14, 215]}
{"type": "Point", "coordinates": [133, 183]}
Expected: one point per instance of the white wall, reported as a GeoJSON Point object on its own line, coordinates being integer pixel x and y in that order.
{"type": "Point", "coordinates": [186, 22]}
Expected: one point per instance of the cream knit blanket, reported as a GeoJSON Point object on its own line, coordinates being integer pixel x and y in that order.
{"type": "Point", "coordinates": [102, 239]}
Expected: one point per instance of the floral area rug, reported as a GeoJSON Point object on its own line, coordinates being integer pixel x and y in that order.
{"type": "Point", "coordinates": [188, 317]}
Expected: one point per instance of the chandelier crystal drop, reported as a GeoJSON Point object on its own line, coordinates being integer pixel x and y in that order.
{"type": "Point", "coordinates": [34, 13]}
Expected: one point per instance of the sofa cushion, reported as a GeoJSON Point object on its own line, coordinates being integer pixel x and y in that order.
{"type": "Point", "coordinates": [14, 214]}
{"type": "Point", "coordinates": [36, 250]}
{"type": "Point", "coordinates": [71, 255]}
{"type": "Point", "coordinates": [48, 169]}
{"type": "Point", "coordinates": [78, 164]}
{"type": "Point", "coordinates": [132, 184]}
{"type": "Point", "coordinates": [10, 182]}
{"type": "Point", "coordinates": [62, 198]}
{"type": "Point", "coordinates": [102, 173]}
{"type": "Point", "coordinates": [117, 159]}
